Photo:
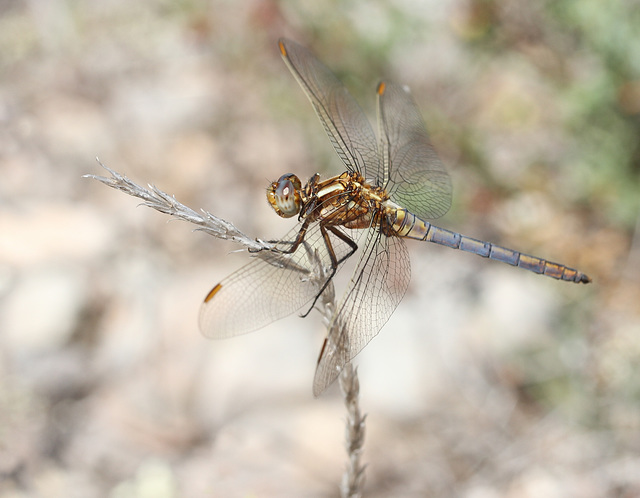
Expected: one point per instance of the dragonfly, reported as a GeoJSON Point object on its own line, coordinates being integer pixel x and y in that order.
{"type": "Point", "coordinates": [391, 186]}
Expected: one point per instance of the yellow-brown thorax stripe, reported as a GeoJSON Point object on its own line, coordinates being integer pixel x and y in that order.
{"type": "Point", "coordinates": [346, 200]}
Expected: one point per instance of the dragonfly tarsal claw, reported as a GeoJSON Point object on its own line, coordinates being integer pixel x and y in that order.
{"type": "Point", "coordinates": [263, 246]}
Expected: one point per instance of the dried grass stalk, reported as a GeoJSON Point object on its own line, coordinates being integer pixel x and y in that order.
{"type": "Point", "coordinates": [353, 478]}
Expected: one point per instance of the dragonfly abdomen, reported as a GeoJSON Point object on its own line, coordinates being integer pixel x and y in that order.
{"type": "Point", "coordinates": [406, 224]}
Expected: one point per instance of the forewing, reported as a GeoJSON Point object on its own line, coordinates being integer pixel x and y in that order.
{"type": "Point", "coordinates": [415, 177]}
{"type": "Point", "coordinates": [346, 125]}
{"type": "Point", "coordinates": [375, 290]}
{"type": "Point", "coordinates": [273, 285]}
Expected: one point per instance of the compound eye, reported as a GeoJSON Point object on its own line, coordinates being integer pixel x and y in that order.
{"type": "Point", "coordinates": [284, 195]}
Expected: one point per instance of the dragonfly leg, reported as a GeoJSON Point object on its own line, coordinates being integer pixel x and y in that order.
{"type": "Point", "coordinates": [335, 262]}
{"type": "Point", "coordinates": [293, 244]}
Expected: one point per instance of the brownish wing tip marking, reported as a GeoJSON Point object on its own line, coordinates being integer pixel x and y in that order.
{"type": "Point", "coordinates": [381, 87]}
{"type": "Point", "coordinates": [212, 293]}
{"type": "Point", "coordinates": [283, 50]}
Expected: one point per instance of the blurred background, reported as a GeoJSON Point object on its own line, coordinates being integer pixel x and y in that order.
{"type": "Point", "coordinates": [488, 381]}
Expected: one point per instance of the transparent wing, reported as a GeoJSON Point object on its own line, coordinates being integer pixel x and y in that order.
{"type": "Point", "coordinates": [414, 176]}
{"type": "Point", "coordinates": [375, 290]}
{"type": "Point", "coordinates": [346, 125]}
{"type": "Point", "coordinates": [272, 286]}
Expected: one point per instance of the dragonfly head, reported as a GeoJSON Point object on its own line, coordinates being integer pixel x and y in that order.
{"type": "Point", "coordinates": [284, 195]}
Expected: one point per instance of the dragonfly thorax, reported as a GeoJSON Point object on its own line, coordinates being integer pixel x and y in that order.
{"type": "Point", "coordinates": [284, 195]}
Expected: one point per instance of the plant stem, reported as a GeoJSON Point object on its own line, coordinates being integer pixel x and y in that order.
{"type": "Point", "coordinates": [353, 477]}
